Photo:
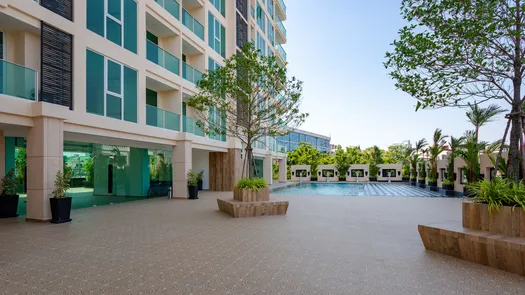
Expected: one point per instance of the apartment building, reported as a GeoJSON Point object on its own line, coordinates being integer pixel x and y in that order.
{"type": "Point", "coordinates": [290, 141]}
{"type": "Point", "coordinates": [100, 86]}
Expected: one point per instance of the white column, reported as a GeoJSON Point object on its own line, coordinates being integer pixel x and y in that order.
{"type": "Point", "coordinates": [181, 160]}
{"type": "Point", "coordinates": [268, 169]}
{"type": "Point", "coordinates": [2, 154]}
{"type": "Point", "coordinates": [45, 146]}
{"type": "Point", "coordinates": [282, 170]}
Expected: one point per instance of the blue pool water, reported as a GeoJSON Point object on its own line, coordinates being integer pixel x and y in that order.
{"type": "Point", "coordinates": [357, 189]}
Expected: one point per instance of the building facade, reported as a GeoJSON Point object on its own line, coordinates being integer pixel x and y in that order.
{"type": "Point", "coordinates": [291, 141]}
{"type": "Point", "coordinates": [100, 86]}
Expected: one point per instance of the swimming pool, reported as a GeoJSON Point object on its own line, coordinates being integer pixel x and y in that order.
{"type": "Point", "coordinates": [357, 189]}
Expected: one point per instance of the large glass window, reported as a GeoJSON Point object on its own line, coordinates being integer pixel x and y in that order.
{"type": "Point", "coordinates": [261, 18]}
{"type": "Point", "coordinates": [216, 35]}
{"type": "Point", "coordinates": [220, 5]}
{"type": "Point", "coordinates": [115, 20]}
{"type": "Point", "coordinates": [261, 45]}
{"type": "Point", "coordinates": [213, 65]}
{"type": "Point", "coordinates": [112, 90]}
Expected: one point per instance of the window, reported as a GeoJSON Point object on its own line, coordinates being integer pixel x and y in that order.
{"type": "Point", "coordinates": [220, 5]}
{"type": "Point", "coordinates": [216, 35]}
{"type": "Point", "coordinates": [271, 33]}
{"type": "Point", "coordinates": [212, 65]}
{"type": "Point", "coordinates": [269, 7]}
{"type": "Point", "coordinates": [112, 90]}
{"type": "Point", "coordinates": [261, 18]}
{"type": "Point", "coordinates": [270, 52]}
{"type": "Point", "coordinates": [261, 46]}
{"type": "Point", "coordinates": [3, 45]}
{"type": "Point", "coordinates": [115, 20]}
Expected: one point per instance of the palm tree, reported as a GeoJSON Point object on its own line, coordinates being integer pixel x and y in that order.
{"type": "Point", "coordinates": [420, 144]}
{"type": "Point", "coordinates": [437, 147]}
{"type": "Point", "coordinates": [455, 145]}
{"type": "Point", "coordinates": [374, 156]}
{"type": "Point", "coordinates": [470, 154]}
{"type": "Point", "coordinates": [489, 150]}
{"type": "Point", "coordinates": [481, 116]}
{"type": "Point", "coordinates": [406, 159]}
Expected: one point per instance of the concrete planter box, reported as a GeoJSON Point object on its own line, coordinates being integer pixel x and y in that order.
{"type": "Point", "coordinates": [249, 195]}
{"type": "Point", "coordinates": [506, 221]}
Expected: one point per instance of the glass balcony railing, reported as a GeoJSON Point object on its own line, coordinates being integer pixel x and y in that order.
{"type": "Point", "coordinates": [189, 125]}
{"type": "Point", "coordinates": [161, 118]}
{"type": "Point", "coordinates": [171, 6]}
{"type": "Point", "coordinates": [283, 5]}
{"type": "Point", "coordinates": [281, 26]}
{"type": "Point", "coordinates": [281, 51]}
{"type": "Point", "coordinates": [18, 81]}
{"type": "Point", "coordinates": [162, 58]}
{"type": "Point", "coordinates": [192, 24]}
{"type": "Point", "coordinates": [190, 74]}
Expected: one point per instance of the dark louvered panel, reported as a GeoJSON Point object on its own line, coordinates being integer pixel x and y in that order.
{"type": "Point", "coordinates": [242, 6]}
{"type": "Point", "coordinates": [242, 31]}
{"type": "Point", "coordinates": [56, 79]}
{"type": "Point", "coordinates": [60, 7]}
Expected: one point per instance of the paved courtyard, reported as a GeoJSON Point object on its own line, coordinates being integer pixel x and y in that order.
{"type": "Point", "coordinates": [325, 245]}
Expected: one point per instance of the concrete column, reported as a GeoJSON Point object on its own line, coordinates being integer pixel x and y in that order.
{"type": "Point", "coordinates": [268, 169]}
{"type": "Point", "coordinates": [2, 154]}
{"type": "Point", "coordinates": [282, 170]}
{"type": "Point", "coordinates": [181, 160]}
{"type": "Point", "coordinates": [45, 146]}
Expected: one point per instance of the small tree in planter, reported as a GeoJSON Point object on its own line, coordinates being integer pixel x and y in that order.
{"type": "Point", "coordinates": [422, 175]}
{"type": "Point", "coordinates": [8, 197]}
{"type": "Point", "coordinates": [455, 145]}
{"type": "Point", "coordinates": [374, 171]}
{"type": "Point", "coordinates": [251, 190]}
{"type": "Point", "coordinates": [193, 185]}
{"type": "Point", "coordinates": [470, 154]}
{"type": "Point", "coordinates": [60, 202]}
{"type": "Point", "coordinates": [437, 147]}
{"type": "Point", "coordinates": [414, 160]}
{"type": "Point", "coordinates": [200, 177]}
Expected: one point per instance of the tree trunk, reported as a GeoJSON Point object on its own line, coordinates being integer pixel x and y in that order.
{"type": "Point", "coordinates": [513, 164]}
{"type": "Point", "coordinates": [501, 148]}
{"type": "Point", "coordinates": [249, 159]}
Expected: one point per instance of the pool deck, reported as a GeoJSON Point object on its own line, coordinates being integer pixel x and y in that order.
{"type": "Point", "coordinates": [325, 245]}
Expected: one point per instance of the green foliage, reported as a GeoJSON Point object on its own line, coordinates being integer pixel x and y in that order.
{"type": "Point", "coordinates": [20, 164]}
{"type": "Point", "coordinates": [275, 171]}
{"type": "Point", "coordinates": [374, 170]}
{"type": "Point", "coordinates": [193, 178]}
{"type": "Point", "coordinates": [342, 161]}
{"type": "Point", "coordinates": [254, 184]}
{"type": "Point", "coordinates": [200, 176]}
{"type": "Point", "coordinates": [9, 183]}
{"type": "Point", "coordinates": [455, 145]}
{"type": "Point", "coordinates": [480, 116]}
{"type": "Point", "coordinates": [422, 169]}
{"type": "Point", "coordinates": [405, 171]}
{"type": "Point", "coordinates": [62, 184]}
{"type": "Point", "coordinates": [305, 154]}
{"type": "Point", "coordinates": [498, 192]}
{"type": "Point", "coordinates": [90, 169]}
{"type": "Point", "coordinates": [253, 98]}
{"type": "Point", "coordinates": [437, 147]}
{"type": "Point", "coordinates": [470, 154]}
{"type": "Point", "coordinates": [448, 182]}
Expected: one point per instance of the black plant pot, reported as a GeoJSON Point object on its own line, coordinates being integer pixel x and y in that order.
{"type": "Point", "coordinates": [199, 184]}
{"type": "Point", "coordinates": [8, 206]}
{"type": "Point", "coordinates": [373, 178]}
{"type": "Point", "coordinates": [421, 184]}
{"type": "Point", "coordinates": [405, 179]}
{"type": "Point", "coordinates": [313, 179]}
{"type": "Point", "coordinates": [450, 193]}
{"type": "Point", "coordinates": [433, 186]}
{"type": "Point", "coordinates": [413, 182]}
{"type": "Point", "coordinates": [60, 209]}
{"type": "Point", "coordinates": [448, 187]}
{"type": "Point", "coordinates": [193, 191]}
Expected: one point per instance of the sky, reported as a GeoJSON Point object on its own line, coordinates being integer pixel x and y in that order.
{"type": "Point", "coordinates": [337, 49]}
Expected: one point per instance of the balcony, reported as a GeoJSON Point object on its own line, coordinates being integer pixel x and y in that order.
{"type": "Point", "coordinates": [161, 118]}
{"type": "Point", "coordinates": [281, 52]}
{"type": "Point", "coordinates": [280, 10]}
{"type": "Point", "coordinates": [191, 23]}
{"type": "Point", "coordinates": [159, 56]}
{"type": "Point", "coordinates": [281, 36]}
{"type": "Point", "coordinates": [170, 6]}
{"type": "Point", "coordinates": [18, 81]}
{"type": "Point", "coordinates": [189, 125]}
{"type": "Point", "coordinates": [191, 74]}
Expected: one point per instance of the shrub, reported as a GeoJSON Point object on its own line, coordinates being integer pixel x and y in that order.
{"type": "Point", "coordinates": [448, 182]}
{"type": "Point", "coordinates": [9, 183]}
{"type": "Point", "coordinates": [254, 184]}
{"type": "Point", "coordinates": [498, 192]}
{"type": "Point", "coordinates": [432, 179]}
{"type": "Point", "coordinates": [62, 184]}
{"type": "Point", "coordinates": [193, 178]}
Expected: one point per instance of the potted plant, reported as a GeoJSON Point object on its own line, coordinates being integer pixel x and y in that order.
{"type": "Point", "coordinates": [193, 185]}
{"type": "Point", "coordinates": [470, 154]}
{"type": "Point", "coordinates": [421, 182]}
{"type": "Point", "coordinates": [60, 202]}
{"type": "Point", "coordinates": [422, 175]}
{"type": "Point", "coordinates": [437, 147]}
{"type": "Point", "coordinates": [448, 186]}
{"type": "Point", "coordinates": [8, 196]}
{"type": "Point", "coordinates": [251, 190]}
{"type": "Point", "coordinates": [200, 177]}
{"type": "Point", "coordinates": [432, 184]}
{"type": "Point", "coordinates": [374, 171]}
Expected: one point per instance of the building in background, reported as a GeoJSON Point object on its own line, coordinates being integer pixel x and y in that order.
{"type": "Point", "coordinates": [100, 87]}
{"type": "Point", "coordinates": [291, 141]}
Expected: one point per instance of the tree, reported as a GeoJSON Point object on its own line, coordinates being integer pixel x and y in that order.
{"type": "Point", "coordinates": [373, 156]}
{"type": "Point", "coordinates": [396, 154]}
{"type": "Point", "coordinates": [355, 155]}
{"type": "Point", "coordinates": [414, 160]}
{"type": "Point", "coordinates": [342, 161]}
{"type": "Point", "coordinates": [481, 116]}
{"type": "Point", "coordinates": [305, 154]}
{"type": "Point", "coordinates": [437, 147]}
{"type": "Point", "coordinates": [455, 145]}
{"type": "Point", "coordinates": [470, 154]}
{"type": "Point", "coordinates": [453, 52]}
{"type": "Point", "coordinates": [250, 98]}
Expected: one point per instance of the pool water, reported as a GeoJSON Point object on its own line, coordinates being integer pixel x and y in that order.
{"type": "Point", "coordinates": [357, 189]}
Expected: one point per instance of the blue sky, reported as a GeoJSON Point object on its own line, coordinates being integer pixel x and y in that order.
{"type": "Point", "coordinates": [337, 48]}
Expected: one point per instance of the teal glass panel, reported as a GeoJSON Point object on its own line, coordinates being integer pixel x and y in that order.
{"type": "Point", "coordinates": [152, 52]}
{"type": "Point", "coordinates": [114, 8]}
{"type": "Point", "coordinates": [113, 31]}
{"type": "Point", "coordinates": [114, 77]}
{"type": "Point", "coordinates": [130, 95]}
{"type": "Point", "coordinates": [223, 42]}
{"type": "Point", "coordinates": [95, 16]}
{"type": "Point", "coordinates": [95, 83]}
{"type": "Point", "coordinates": [17, 81]}
{"type": "Point", "coordinates": [154, 116]}
{"type": "Point", "coordinates": [192, 24]}
{"type": "Point", "coordinates": [171, 63]}
{"type": "Point", "coordinates": [211, 22]}
{"type": "Point", "coordinates": [171, 6]}
{"type": "Point", "coordinates": [172, 121]}
{"type": "Point", "coordinates": [130, 25]}
{"type": "Point", "coordinates": [190, 74]}
{"type": "Point", "coordinates": [162, 58]}
{"type": "Point", "coordinates": [113, 107]}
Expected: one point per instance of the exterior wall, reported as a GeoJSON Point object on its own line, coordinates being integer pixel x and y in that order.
{"type": "Point", "coordinates": [294, 176]}
{"type": "Point", "coordinates": [322, 178]}
{"type": "Point", "coordinates": [201, 162]}
{"type": "Point", "coordinates": [396, 177]}
{"type": "Point", "coordinates": [363, 178]}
